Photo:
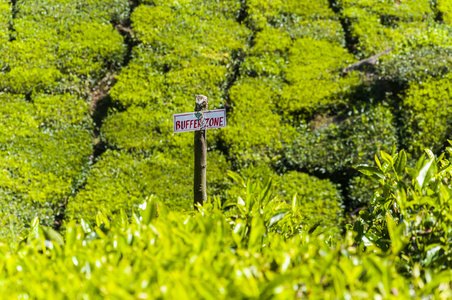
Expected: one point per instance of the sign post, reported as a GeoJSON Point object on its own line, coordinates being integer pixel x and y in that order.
{"type": "Point", "coordinates": [199, 121]}
{"type": "Point", "coordinates": [199, 180]}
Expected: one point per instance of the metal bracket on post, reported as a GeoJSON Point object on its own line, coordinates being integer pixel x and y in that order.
{"type": "Point", "coordinates": [200, 168]}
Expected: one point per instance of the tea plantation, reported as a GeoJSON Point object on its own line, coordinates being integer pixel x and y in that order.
{"type": "Point", "coordinates": [332, 179]}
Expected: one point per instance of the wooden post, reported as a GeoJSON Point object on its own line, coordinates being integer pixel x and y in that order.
{"type": "Point", "coordinates": [199, 188]}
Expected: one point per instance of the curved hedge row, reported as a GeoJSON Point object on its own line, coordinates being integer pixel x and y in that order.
{"type": "Point", "coordinates": [5, 20]}
{"type": "Point", "coordinates": [420, 46]}
{"type": "Point", "coordinates": [427, 109]}
{"type": "Point", "coordinates": [44, 152]}
{"type": "Point", "coordinates": [52, 53]}
{"type": "Point", "coordinates": [120, 181]}
{"type": "Point", "coordinates": [58, 46]}
{"type": "Point", "coordinates": [341, 142]}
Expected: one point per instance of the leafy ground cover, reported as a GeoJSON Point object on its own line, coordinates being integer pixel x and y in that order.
{"type": "Point", "coordinates": [253, 246]}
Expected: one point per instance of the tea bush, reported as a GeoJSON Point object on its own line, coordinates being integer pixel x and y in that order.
{"type": "Point", "coordinates": [427, 110]}
{"type": "Point", "coordinates": [257, 249]}
{"type": "Point", "coordinates": [186, 49]}
{"type": "Point", "coordinates": [420, 46]}
{"type": "Point", "coordinates": [409, 214]}
{"type": "Point", "coordinates": [5, 20]}
{"type": "Point", "coordinates": [445, 8]}
{"type": "Point", "coordinates": [57, 45]}
{"type": "Point", "coordinates": [341, 142]}
{"type": "Point", "coordinates": [145, 129]}
{"type": "Point", "coordinates": [301, 61]}
{"type": "Point", "coordinates": [45, 147]}
{"type": "Point", "coordinates": [424, 53]}
{"type": "Point", "coordinates": [298, 18]}
{"type": "Point", "coordinates": [270, 232]}
{"type": "Point", "coordinates": [378, 26]}
{"type": "Point", "coordinates": [318, 201]}
{"type": "Point", "coordinates": [53, 52]}
{"type": "Point", "coordinates": [120, 180]}
{"type": "Point", "coordinates": [181, 54]}
{"type": "Point", "coordinates": [284, 77]}
{"type": "Point", "coordinates": [314, 78]}
{"type": "Point", "coordinates": [253, 114]}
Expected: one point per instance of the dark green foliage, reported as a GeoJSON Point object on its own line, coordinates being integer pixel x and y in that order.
{"type": "Point", "coordinates": [420, 46]}
{"type": "Point", "coordinates": [427, 110]}
{"type": "Point", "coordinates": [360, 191]}
{"type": "Point", "coordinates": [338, 142]}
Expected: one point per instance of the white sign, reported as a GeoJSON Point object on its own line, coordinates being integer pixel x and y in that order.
{"type": "Point", "coordinates": [195, 121]}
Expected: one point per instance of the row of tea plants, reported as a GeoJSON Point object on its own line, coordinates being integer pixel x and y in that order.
{"type": "Point", "coordinates": [252, 246]}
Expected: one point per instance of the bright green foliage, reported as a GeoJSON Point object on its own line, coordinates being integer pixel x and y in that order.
{"type": "Point", "coordinates": [182, 54]}
{"type": "Point", "coordinates": [54, 48]}
{"type": "Point", "coordinates": [410, 215]}
{"type": "Point", "coordinates": [44, 148]}
{"type": "Point", "coordinates": [145, 130]}
{"type": "Point", "coordinates": [121, 181]}
{"type": "Point", "coordinates": [252, 116]}
{"type": "Point", "coordinates": [424, 52]}
{"type": "Point", "coordinates": [186, 48]}
{"type": "Point", "coordinates": [300, 18]}
{"type": "Point", "coordinates": [314, 76]}
{"type": "Point", "coordinates": [53, 11]}
{"type": "Point", "coordinates": [445, 7]}
{"type": "Point", "coordinates": [336, 143]}
{"type": "Point", "coordinates": [57, 111]}
{"type": "Point", "coordinates": [274, 65]}
{"type": "Point", "coordinates": [284, 76]}
{"type": "Point", "coordinates": [268, 56]}
{"type": "Point", "coordinates": [427, 108]}
{"type": "Point", "coordinates": [5, 19]}
{"type": "Point", "coordinates": [227, 8]}
{"type": "Point", "coordinates": [309, 63]}
{"type": "Point", "coordinates": [256, 250]}
{"type": "Point", "coordinates": [381, 25]}
{"type": "Point", "coordinates": [317, 201]}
